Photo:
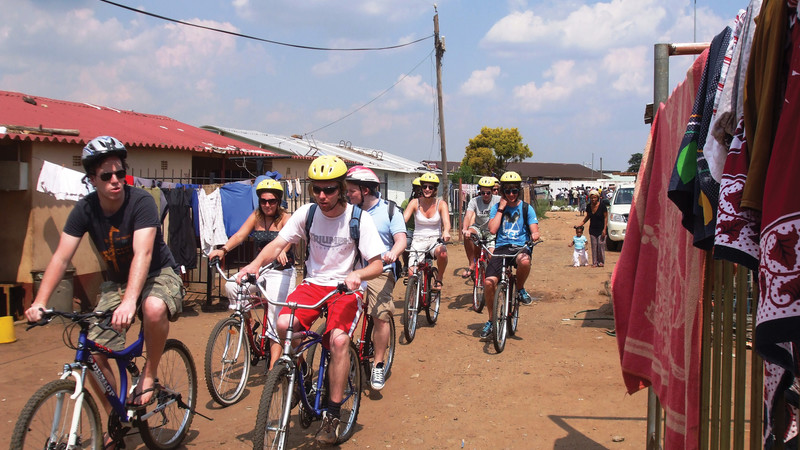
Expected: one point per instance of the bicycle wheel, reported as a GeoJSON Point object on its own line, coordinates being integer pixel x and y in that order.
{"type": "Point", "coordinates": [174, 411]}
{"type": "Point", "coordinates": [513, 315]}
{"type": "Point", "coordinates": [389, 358]}
{"type": "Point", "coordinates": [478, 301]}
{"type": "Point", "coordinates": [46, 419]}
{"type": "Point", "coordinates": [227, 363]}
{"type": "Point", "coordinates": [411, 308]}
{"type": "Point", "coordinates": [500, 325]}
{"type": "Point", "coordinates": [271, 424]}
{"type": "Point", "coordinates": [352, 398]}
{"type": "Point", "coordinates": [434, 298]}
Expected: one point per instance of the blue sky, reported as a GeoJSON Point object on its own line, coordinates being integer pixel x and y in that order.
{"type": "Point", "coordinates": [573, 76]}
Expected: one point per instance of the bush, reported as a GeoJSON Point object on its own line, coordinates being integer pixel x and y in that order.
{"type": "Point", "coordinates": [541, 207]}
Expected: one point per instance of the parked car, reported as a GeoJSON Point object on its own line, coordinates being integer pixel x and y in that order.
{"type": "Point", "coordinates": [618, 216]}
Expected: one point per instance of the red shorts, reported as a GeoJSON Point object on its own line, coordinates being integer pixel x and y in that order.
{"type": "Point", "coordinates": [343, 310]}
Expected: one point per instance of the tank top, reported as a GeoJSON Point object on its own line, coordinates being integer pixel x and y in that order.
{"type": "Point", "coordinates": [425, 226]}
{"type": "Point", "coordinates": [262, 237]}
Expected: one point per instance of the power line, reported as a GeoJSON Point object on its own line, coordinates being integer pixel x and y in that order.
{"type": "Point", "coordinates": [305, 47]}
{"type": "Point", "coordinates": [377, 97]}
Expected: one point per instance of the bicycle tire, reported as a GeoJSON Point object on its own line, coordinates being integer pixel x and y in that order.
{"type": "Point", "coordinates": [176, 374]}
{"type": "Point", "coordinates": [352, 398]}
{"type": "Point", "coordinates": [434, 298]}
{"type": "Point", "coordinates": [389, 359]}
{"type": "Point", "coordinates": [226, 373]}
{"type": "Point", "coordinates": [411, 308]}
{"type": "Point", "coordinates": [35, 422]}
{"type": "Point", "coordinates": [500, 325]}
{"type": "Point", "coordinates": [478, 300]}
{"type": "Point", "coordinates": [271, 429]}
{"type": "Point", "coordinates": [513, 315]}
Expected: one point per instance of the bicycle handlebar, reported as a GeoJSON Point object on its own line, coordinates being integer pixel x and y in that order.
{"type": "Point", "coordinates": [341, 288]}
{"type": "Point", "coordinates": [517, 250]}
{"type": "Point", "coordinates": [49, 314]}
{"type": "Point", "coordinates": [250, 278]}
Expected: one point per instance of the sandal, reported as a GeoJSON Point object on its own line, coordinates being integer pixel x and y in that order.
{"type": "Point", "coordinates": [437, 285]}
{"type": "Point", "coordinates": [141, 407]}
{"type": "Point", "coordinates": [108, 442]}
{"type": "Point", "coordinates": [467, 273]}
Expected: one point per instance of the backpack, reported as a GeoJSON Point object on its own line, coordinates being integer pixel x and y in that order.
{"type": "Point", "coordinates": [355, 232]}
{"type": "Point", "coordinates": [524, 219]}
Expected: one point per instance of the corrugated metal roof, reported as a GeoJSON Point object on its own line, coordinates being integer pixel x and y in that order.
{"type": "Point", "coordinates": [132, 128]}
{"type": "Point", "coordinates": [373, 158]}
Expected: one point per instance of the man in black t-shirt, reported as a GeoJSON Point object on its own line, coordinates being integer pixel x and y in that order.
{"type": "Point", "coordinates": [122, 222]}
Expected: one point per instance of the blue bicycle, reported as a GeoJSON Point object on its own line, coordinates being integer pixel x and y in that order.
{"type": "Point", "coordinates": [63, 414]}
{"type": "Point", "coordinates": [300, 376]}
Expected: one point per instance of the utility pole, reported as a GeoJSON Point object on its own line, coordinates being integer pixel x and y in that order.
{"type": "Point", "coordinates": [438, 45]}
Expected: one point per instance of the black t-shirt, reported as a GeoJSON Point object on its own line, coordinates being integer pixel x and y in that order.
{"type": "Point", "coordinates": [596, 219]}
{"type": "Point", "coordinates": [113, 236]}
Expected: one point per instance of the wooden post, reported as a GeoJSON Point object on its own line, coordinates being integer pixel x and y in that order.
{"type": "Point", "coordinates": [439, 46]}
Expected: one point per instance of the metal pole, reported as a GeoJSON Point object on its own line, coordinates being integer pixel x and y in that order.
{"type": "Point", "coordinates": [439, 46]}
{"type": "Point", "coordinates": [661, 75]}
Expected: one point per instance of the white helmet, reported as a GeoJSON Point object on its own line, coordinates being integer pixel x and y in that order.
{"type": "Point", "coordinates": [363, 176]}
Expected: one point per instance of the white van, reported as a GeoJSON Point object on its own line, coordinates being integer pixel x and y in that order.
{"type": "Point", "coordinates": [618, 216]}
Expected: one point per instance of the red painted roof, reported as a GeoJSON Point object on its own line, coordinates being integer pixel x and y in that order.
{"type": "Point", "coordinates": [132, 128]}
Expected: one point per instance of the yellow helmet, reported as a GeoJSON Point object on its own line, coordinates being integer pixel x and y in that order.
{"type": "Point", "coordinates": [495, 180]}
{"type": "Point", "coordinates": [268, 184]}
{"type": "Point", "coordinates": [416, 182]}
{"type": "Point", "coordinates": [486, 182]}
{"type": "Point", "coordinates": [510, 177]}
{"type": "Point", "coordinates": [429, 177]}
{"type": "Point", "coordinates": [326, 168]}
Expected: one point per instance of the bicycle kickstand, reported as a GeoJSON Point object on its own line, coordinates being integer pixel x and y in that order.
{"type": "Point", "coordinates": [183, 405]}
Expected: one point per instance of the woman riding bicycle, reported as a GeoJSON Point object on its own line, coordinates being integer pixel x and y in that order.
{"type": "Point", "coordinates": [263, 226]}
{"type": "Point", "coordinates": [332, 259]}
{"type": "Point", "coordinates": [509, 224]}
{"type": "Point", "coordinates": [432, 221]}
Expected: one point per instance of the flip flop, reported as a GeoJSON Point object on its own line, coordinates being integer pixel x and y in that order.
{"type": "Point", "coordinates": [141, 407]}
{"type": "Point", "coordinates": [467, 273]}
{"type": "Point", "coordinates": [437, 284]}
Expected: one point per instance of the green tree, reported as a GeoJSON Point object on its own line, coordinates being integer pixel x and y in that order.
{"type": "Point", "coordinates": [464, 173]}
{"type": "Point", "coordinates": [634, 162]}
{"type": "Point", "coordinates": [490, 151]}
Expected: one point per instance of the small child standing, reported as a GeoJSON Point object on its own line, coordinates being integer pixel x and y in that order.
{"type": "Point", "coordinates": [579, 257]}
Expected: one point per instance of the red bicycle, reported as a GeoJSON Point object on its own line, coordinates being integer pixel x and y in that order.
{"type": "Point", "coordinates": [479, 274]}
{"type": "Point", "coordinates": [420, 294]}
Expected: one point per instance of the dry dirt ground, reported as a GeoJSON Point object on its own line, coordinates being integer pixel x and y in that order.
{"type": "Point", "coordinates": [557, 384]}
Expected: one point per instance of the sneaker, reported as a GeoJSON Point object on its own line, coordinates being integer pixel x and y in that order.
{"type": "Point", "coordinates": [524, 297]}
{"type": "Point", "coordinates": [377, 380]}
{"type": "Point", "coordinates": [487, 330]}
{"type": "Point", "coordinates": [328, 433]}
{"type": "Point", "coordinates": [233, 304]}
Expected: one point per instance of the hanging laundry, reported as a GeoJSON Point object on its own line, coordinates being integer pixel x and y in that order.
{"type": "Point", "coordinates": [62, 183]}
{"type": "Point", "coordinates": [212, 227]}
{"type": "Point", "coordinates": [181, 232]}
{"type": "Point", "coordinates": [298, 189]}
{"type": "Point", "coordinates": [237, 205]}
{"type": "Point", "coordinates": [289, 190]}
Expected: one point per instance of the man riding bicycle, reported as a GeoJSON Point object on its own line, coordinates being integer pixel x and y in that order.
{"type": "Point", "coordinates": [513, 225]}
{"type": "Point", "coordinates": [362, 191]}
{"type": "Point", "coordinates": [476, 221]}
{"type": "Point", "coordinates": [123, 223]}
{"type": "Point", "coordinates": [332, 259]}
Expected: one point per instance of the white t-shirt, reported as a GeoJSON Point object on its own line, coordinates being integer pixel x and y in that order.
{"type": "Point", "coordinates": [331, 251]}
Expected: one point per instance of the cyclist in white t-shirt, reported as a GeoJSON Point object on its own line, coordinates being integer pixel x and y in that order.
{"type": "Point", "coordinates": [476, 220]}
{"type": "Point", "coordinates": [332, 259]}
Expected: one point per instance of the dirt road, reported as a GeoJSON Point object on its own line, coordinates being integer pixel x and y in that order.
{"type": "Point", "coordinates": [556, 385]}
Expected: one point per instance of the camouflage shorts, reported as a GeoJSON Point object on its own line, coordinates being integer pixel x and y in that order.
{"type": "Point", "coordinates": [165, 285]}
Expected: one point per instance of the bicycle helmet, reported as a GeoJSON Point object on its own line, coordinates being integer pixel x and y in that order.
{"type": "Point", "coordinates": [511, 177]}
{"type": "Point", "coordinates": [429, 177]}
{"type": "Point", "coordinates": [327, 168]}
{"type": "Point", "coordinates": [100, 148]}
{"type": "Point", "coordinates": [362, 176]}
{"type": "Point", "coordinates": [269, 185]}
{"type": "Point", "coordinates": [416, 182]}
{"type": "Point", "coordinates": [486, 182]}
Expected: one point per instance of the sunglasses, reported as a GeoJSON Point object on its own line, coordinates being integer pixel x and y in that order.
{"type": "Point", "coordinates": [329, 190]}
{"type": "Point", "coordinates": [431, 187]}
{"type": "Point", "coordinates": [106, 176]}
{"type": "Point", "coordinates": [495, 189]}
{"type": "Point", "coordinates": [268, 201]}
{"type": "Point", "coordinates": [486, 192]}
{"type": "Point", "coordinates": [514, 191]}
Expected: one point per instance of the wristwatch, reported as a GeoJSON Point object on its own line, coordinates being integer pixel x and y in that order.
{"type": "Point", "coordinates": [501, 211]}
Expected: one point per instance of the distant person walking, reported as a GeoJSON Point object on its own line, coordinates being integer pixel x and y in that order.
{"type": "Point", "coordinates": [597, 216]}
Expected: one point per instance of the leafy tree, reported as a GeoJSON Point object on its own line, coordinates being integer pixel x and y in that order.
{"type": "Point", "coordinates": [490, 151]}
{"type": "Point", "coordinates": [464, 173]}
{"type": "Point", "coordinates": [634, 162]}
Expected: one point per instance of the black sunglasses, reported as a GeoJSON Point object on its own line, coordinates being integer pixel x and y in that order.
{"type": "Point", "coordinates": [329, 190]}
{"type": "Point", "coordinates": [514, 191]}
{"type": "Point", "coordinates": [270, 201]}
{"type": "Point", "coordinates": [495, 189]}
{"type": "Point", "coordinates": [431, 187]}
{"type": "Point", "coordinates": [486, 192]}
{"type": "Point", "coordinates": [106, 176]}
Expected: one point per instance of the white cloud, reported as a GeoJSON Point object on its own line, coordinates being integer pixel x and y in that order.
{"type": "Point", "coordinates": [589, 27]}
{"type": "Point", "coordinates": [630, 68]}
{"type": "Point", "coordinates": [481, 82]}
{"type": "Point", "coordinates": [565, 80]}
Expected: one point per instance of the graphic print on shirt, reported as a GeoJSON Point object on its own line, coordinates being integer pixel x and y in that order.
{"type": "Point", "coordinates": [330, 241]}
{"type": "Point", "coordinates": [513, 226]}
{"type": "Point", "coordinates": [117, 248]}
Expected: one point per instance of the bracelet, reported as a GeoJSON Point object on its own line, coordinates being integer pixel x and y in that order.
{"type": "Point", "coordinates": [224, 250]}
{"type": "Point", "coordinates": [501, 211]}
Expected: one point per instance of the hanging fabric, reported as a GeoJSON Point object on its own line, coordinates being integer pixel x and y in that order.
{"type": "Point", "coordinates": [62, 183]}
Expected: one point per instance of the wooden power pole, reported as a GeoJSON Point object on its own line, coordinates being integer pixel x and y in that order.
{"type": "Point", "coordinates": [439, 46]}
